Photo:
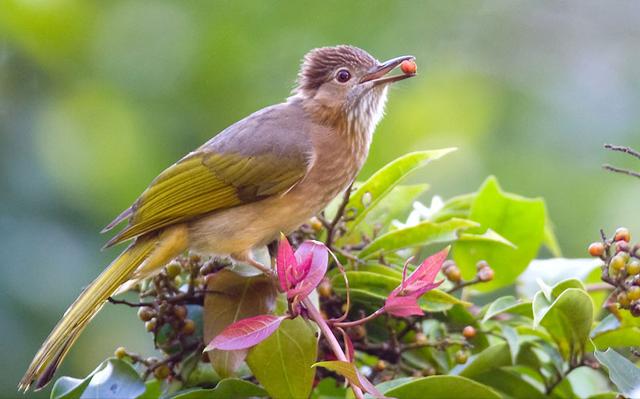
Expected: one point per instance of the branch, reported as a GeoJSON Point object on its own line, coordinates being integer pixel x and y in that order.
{"type": "Point", "coordinates": [626, 150]}
{"type": "Point", "coordinates": [339, 213]}
{"type": "Point", "coordinates": [621, 171]}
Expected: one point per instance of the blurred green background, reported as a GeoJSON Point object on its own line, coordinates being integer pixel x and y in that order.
{"type": "Point", "coordinates": [96, 98]}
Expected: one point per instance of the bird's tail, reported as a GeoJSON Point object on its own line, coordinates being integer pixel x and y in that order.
{"type": "Point", "coordinates": [146, 253]}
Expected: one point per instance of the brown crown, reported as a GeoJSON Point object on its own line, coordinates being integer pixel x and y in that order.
{"type": "Point", "coordinates": [320, 64]}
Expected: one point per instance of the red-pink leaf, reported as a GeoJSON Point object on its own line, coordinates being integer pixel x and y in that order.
{"type": "Point", "coordinates": [246, 333]}
{"type": "Point", "coordinates": [403, 306]}
{"type": "Point", "coordinates": [429, 268]}
{"type": "Point", "coordinates": [285, 262]}
{"type": "Point", "coordinates": [314, 256]}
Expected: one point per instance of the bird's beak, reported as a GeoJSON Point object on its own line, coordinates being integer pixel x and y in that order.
{"type": "Point", "coordinates": [376, 75]}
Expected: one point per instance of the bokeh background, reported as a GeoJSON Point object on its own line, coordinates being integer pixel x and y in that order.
{"type": "Point", "coordinates": [97, 97]}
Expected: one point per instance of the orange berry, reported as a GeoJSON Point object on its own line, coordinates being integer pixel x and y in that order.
{"type": "Point", "coordinates": [596, 249]}
{"type": "Point", "coordinates": [469, 332]}
{"type": "Point", "coordinates": [409, 67]}
{"type": "Point", "coordinates": [189, 327]}
{"type": "Point", "coordinates": [623, 234]}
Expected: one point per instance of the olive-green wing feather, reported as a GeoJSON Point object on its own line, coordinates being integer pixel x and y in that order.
{"type": "Point", "coordinates": [262, 155]}
{"type": "Point", "coordinates": [205, 182]}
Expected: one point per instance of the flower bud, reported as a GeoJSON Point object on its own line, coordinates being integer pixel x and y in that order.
{"type": "Point", "coordinates": [481, 265]}
{"type": "Point", "coordinates": [420, 339]}
{"type": "Point", "coordinates": [622, 246]}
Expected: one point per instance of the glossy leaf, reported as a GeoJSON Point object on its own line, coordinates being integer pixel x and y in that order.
{"type": "Point", "coordinates": [519, 220]}
{"type": "Point", "coordinates": [442, 387]}
{"type": "Point", "coordinates": [371, 192]}
{"type": "Point", "coordinates": [424, 233]}
{"type": "Point", "coordinates": [282, 363]}
{"type": "Point", "coordinates": [507, 304]}
{"type": "Point", "coordinates": [510, 383]}
{"type": "Point", "coordinates": [227, 388]}
{"type": "Point", "coordinates": [231, 298]}
{"type": "Point", "coordinates": [622, 372]}
{"type": "Point", "coordinates": [112, 379]}
{"type": "Point", "coordinates": [246, 333]}
{"type": "Point", "coordinates": [567, 319]}
{"type": "Point", "coordinates": [492, 357]}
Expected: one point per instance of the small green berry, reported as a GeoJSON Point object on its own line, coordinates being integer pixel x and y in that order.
{"type": "Point", "coordinates": [633, 267]}
{"type": "Point", "coordinates": [461, 356]}
{"type": "Point", "coordinates": [633, 293]}
{"type": "Point", "coordinates": [162, 372]}
{"type": "Point", "coordinates": [173, 269]}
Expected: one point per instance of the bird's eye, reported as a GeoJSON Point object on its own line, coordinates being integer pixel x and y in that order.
{"type": "Point", "coordinates": [343, 76]}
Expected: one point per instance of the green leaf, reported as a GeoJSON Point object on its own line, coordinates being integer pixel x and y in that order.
{"type": "Point", "coordinates": [371, 192]}
{"type": "Point", "coordinates": [328, 388]}
{"type": "Point", "coordinates": [282, 362]}
{"type": "Point", "coordinates": [507, 304]}
{"type": "Point", "coordinates": [513, 340]}
{"type": "Point", "coordinates": [611, 333]}
{"type": "Point", "coordinates": [227, 388]}
{"type": "Point", "coordinates": [153, 390]}
{"type": "Point", "coordinates": [491, 358]}
{"type": "Point", "coordinates": [622, 372]}
{"type": "Point", "coordinates": [487, 236]}
{"type": "Point", "coordinates": [232, 298]}
{"type": "Point", "coordinates": [394, 206]}
{"type": "Point", "coordinates": [69, 388]}
{"type": "Point", "coordinates": [373, 288]}
{"type": "Point", "coordinates": [519, 220]}
{"type": "Point", "coordinates": [423, 233]}
{"type": "Point", "coordinates": [112, 379]}
{"type": "Point", "coordinates": [456, 207]}
{"type": "Point", "coordinates": [442, 387]}
{"type": "Point", "coordinates": [510, 383]}
{"type": "Point", "coordinates": [567, 319]}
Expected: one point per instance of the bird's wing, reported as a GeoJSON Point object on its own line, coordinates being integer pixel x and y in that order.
{"type": "Point", "coordinates": [250, 161]}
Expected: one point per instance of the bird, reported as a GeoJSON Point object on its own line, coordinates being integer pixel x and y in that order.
{"type": "Point", "coordinates": [266, 174]}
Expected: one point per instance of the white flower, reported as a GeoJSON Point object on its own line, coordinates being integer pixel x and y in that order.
{"type": "Point", "coordinates": [421, 212]}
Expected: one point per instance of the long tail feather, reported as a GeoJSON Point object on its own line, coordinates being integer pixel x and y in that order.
{"type": "Point", "coordinates": [156, 249]}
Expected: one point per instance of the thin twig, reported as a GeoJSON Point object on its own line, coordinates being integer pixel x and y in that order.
{"type": "Point", "coordinates": [340, 212]}
{"type": "Point", "coordinates": [620, 148]}
{"type": "Point", "coordinates": [621, 171]}
{"type": "Point", "coordinates": [130, 304]}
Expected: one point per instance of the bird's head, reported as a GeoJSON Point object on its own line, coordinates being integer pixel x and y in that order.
{"type": "Point", "coordinates": [346, 84]}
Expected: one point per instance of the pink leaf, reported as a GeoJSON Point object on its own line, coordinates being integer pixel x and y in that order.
{"type": "Point", "coordinates": [314, 256]}
{"type": "Point", "coordinates": [403, 306]}
{"type": "Point", "coordinates": [285, 262]}
{"type": "Point", "coordinates": [246, 333]}
{"type": "Point", "coordinates": [428, 270]}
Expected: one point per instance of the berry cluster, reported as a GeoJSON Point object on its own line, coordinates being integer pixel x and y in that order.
{"type": "Point", "coordinates": [170, 307]}
{"type": "Point", "coordinates": [621, 268]}
{"type": "Point", "coordinates": [451, 271]}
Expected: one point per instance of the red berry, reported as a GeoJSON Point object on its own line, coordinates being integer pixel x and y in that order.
{"type": "Point", "coordinates": [622, 234]}
{"type": "Point", "coordinates": [596, 249]}
{"type": "Point", "coordinates": [409, 67]}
